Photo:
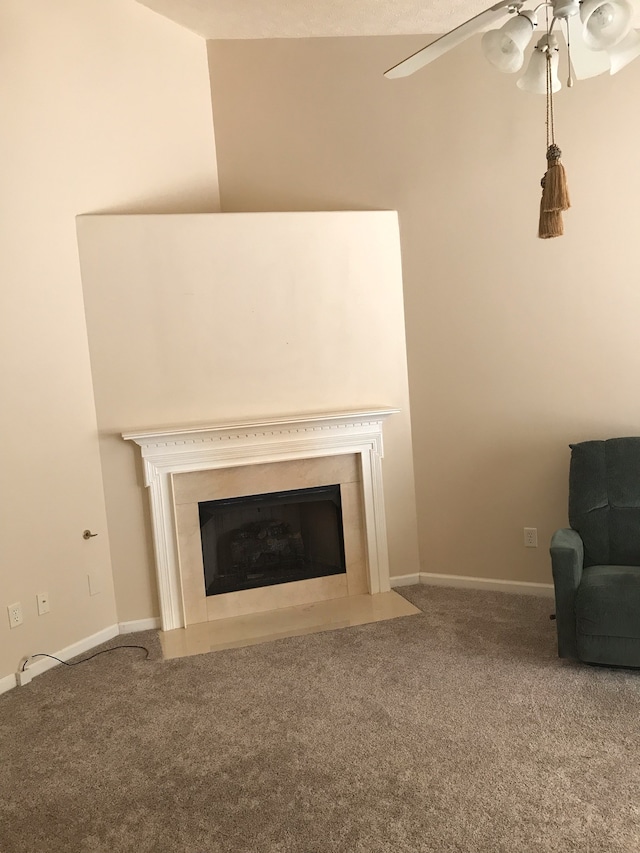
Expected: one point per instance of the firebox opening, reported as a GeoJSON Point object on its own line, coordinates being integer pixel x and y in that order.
{"type": "Point", "coordinates": [262, 540]}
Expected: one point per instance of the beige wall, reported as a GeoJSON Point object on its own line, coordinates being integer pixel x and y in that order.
{"type": "Point", "coordinates": [516, 346]}
{"type": "Point", "coordinates": [240, 317]}
{"type": "Point", "coordinates": [105, 106]}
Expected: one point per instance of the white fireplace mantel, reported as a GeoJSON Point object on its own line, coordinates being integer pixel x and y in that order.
{"type": "Point", "coordinates": [166, 452]}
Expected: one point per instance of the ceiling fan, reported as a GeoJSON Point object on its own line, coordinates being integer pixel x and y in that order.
{"type": "Point", "coordinates": [599, 35]}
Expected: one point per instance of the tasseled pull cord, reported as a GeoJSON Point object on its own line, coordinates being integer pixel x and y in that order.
{"type": "Point", "coordinates": [555, 195]}
{"type": "Point", "coordinates": [551, 224]}
{"type": "Point", "coordinates": [555, 192]}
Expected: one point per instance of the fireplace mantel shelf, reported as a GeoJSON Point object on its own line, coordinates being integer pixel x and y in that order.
{"type": "Point", "coordinates": [168, 451]}
{"type": "Point", "coordinates": [213, 432]}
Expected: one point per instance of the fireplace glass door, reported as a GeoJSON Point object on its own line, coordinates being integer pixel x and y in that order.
{"type": "Point", "coordinates": [268, 539]}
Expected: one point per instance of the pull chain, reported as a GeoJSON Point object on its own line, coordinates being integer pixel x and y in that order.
{"type": "Point", "coordinates": [570, 77]}
{"type": "Point", "coordinates": [551, 130]}
{"type": "Point", "coordinates": [550, 127]}
{"type": "Point", "coordinates": [555, 195]}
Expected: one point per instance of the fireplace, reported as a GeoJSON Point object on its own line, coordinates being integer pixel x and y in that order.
{"type": "Point", "coordinates": [273, 538]}
{"type": "Point", "coordinates": [267, 519]}
{"type": "Point", "coordinates": [188, 468]}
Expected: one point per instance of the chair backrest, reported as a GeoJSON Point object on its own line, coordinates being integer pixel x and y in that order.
{"type": "Point", "coordinates": [604, 500]}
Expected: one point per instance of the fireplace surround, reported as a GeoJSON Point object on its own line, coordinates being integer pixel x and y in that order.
{"type": "Point", "coordinates": [234, 459]}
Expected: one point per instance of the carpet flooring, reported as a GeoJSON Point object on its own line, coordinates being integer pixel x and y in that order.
{"type": "Point", "coordinates": [453, 731]}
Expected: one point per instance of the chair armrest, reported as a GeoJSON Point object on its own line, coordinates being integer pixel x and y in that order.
{"type": "Point", "coordinates": [567, 559]}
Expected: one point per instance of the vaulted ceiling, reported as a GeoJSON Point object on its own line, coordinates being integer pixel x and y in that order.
{"type": "Point", "coordinates": [256, 19]}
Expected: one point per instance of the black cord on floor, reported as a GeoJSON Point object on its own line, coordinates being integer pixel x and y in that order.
{"type": "Point", "coordinates": [75, 663]}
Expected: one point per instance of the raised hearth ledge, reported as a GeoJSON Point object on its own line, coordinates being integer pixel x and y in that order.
{"type": "Point", "coordinates": [178, 450]}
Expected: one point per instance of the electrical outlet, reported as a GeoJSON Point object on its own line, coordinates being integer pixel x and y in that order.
{"type": "Point", "coordinates": [43, 603]}
{"type": "Point", "coordinates": [94, 582]}
{"type": "Point", "coordinates": [530, 537]}
{"type": "Point", "coordinates": [15, 614]}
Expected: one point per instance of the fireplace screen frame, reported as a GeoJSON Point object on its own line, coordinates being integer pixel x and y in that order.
{"type": "Point", "coordinates": [271, 538]}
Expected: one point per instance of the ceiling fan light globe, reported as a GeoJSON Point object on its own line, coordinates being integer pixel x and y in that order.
{"type": "Point", "coordinates": [606, 23]}
{"type": "Point", "coordinates": [534, 79]}
{"type": "Point", "coordinates": [566, 8]}
{"type": "Point", "coordinates": [504, 48]}
{"type": "Point", "coordinates": [502, 52]}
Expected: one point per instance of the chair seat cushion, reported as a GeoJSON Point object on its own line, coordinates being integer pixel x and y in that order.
{"type": "Point", "coordinates": [608, 602]}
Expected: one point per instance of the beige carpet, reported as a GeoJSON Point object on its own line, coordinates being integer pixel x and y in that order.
{"type": "Point", "coordinates": [455, 730]}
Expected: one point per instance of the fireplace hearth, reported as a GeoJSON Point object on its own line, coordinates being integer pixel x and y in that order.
{"type": "Point", "coordinates": [267, 539]}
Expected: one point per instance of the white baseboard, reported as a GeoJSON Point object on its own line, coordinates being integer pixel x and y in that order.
{"type": "Point", "coordinates": [7, 683]}
{"type": "Point", "coordinates": [519, 587]}
{"type": "Point", "coordinates": [39, 665]}
{"type": "Point", "coordinates": [139, 625]}
{"type": "Point", "coordinates": [404, 580]}
{"type": "Point", "coordinates": [462, 582]}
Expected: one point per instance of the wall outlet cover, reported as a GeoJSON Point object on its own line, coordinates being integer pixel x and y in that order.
{"type": "Point", "coordinates": [15, 614]}
{"type": "Point", "coordinates": [23, 676]}
{"type": "Point", "coordinates": [95, 587]}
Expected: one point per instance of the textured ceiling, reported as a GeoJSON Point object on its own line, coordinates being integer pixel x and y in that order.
{"type": "Point", "coordinates": [253, 19]}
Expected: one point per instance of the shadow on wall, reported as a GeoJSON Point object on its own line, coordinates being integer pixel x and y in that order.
{"type": "Point", "coordinates": [489, 492]}
{"type": "Point", "coordinates": [184, 199]}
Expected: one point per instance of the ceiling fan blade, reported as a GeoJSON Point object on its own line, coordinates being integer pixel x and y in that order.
{"type": "Point", "coordinates": [586, 63]}
{"type": "Point", "coordinates": [450, 40]}
{"type": "Point", "coordinates": [625, 52]}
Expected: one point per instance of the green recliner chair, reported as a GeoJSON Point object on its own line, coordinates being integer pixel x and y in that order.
{"type": "Point", "coordinates": [596, 563]}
